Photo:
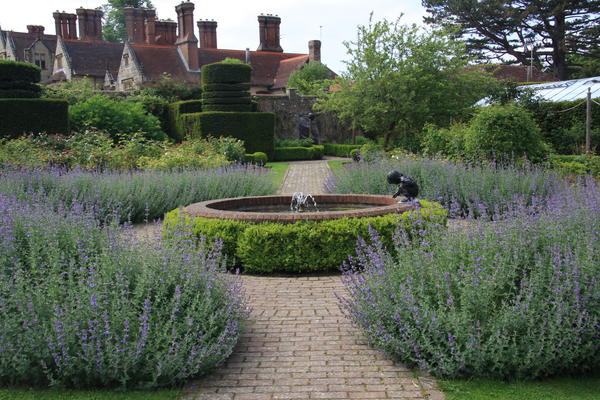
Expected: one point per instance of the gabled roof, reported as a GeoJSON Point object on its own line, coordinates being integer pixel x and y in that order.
{"type": "Point", "coordinates": [265, 64]}
{"type": "Point", "coordinates": [93, 58]}
{"type": "Point", "coordinates": [156, 60]}
{"type": "Point", "coordinates": [24, 41]}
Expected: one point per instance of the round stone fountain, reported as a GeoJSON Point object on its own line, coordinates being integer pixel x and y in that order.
{"type": "Point", "coordinates": [277, 208]}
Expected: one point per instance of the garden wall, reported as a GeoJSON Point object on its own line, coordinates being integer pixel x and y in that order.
{"type": "Point", "coordinates": [288, 108]}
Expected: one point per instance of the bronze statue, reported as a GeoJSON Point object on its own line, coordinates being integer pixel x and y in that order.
{"type": "Point", "coordinates": [407, 186]}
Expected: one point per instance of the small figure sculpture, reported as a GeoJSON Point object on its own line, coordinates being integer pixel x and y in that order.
{"type": "Point", "coordinates": [406, 186]}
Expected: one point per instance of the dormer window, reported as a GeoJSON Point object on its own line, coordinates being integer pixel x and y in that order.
{"type": "Point", "coordinates": [59, 61]}
{"type": "Point", "coordinates": [40, 60]}
{"type": "Point", "coordinates": [126, 59]}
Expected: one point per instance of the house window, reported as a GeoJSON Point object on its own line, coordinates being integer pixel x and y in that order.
{"type": "Point", "coordinates": [40, 60]}
{"type": "Point", "coordinates": [126, 59]}
{"type": "Point", "coordinates": [59, 61]}
{"type": "Point", "coordinates": [127, 84]}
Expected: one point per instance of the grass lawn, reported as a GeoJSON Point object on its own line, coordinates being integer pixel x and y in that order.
{"type": "Point", "coordinates": [337, 165]}
{"type": "Point", "coordinates": [57, 394]}
{"type": "Point", "coordinates": [279, 169]}
{"type": "Point", "coordinates": [581, 388]}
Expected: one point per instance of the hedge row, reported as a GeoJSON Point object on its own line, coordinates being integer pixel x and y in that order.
{"type": "Point", "coordinates": [176, 110]}
{"type": "Point", "coordinates": [298, 153]}
{"type": "Point", "coordinates": [226, 73]}
{"type": "Point", "coordinates": [258, 158]}
{"type": "Point", "coordinates": [19, 71]}
{"type": "Point", "coordinates": [305, 246]}
{"type": "Point", "coordinates": [339, 150]}
{"type": "Point", "coordinates": [228, 107]}
{"type": "Point", "coordinates": [257, 130]}
{"type": "Point", "coordinates": [18, 116]}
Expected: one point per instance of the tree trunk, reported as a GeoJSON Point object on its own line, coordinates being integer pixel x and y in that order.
{"type": "Point", "coordinates": [559, 51]}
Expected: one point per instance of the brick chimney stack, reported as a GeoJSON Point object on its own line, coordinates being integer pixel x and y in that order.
{"type": "Point", "coordinates": [187, 42]}
{"type": "Point", "coordinates": [314, 50]}
{"type": "Point", "coordinates": [268, 26]}
{"type": "Point", "coordinates": [134, 24]}
{"type": "Point", "coordinates": [208, 34]}
{"type": "Point", "coordinates": [166, 32]}
{"type": "Point", "coordinates": [150, 26]}
{"type": "Point", "coordinates": [65, 25]}
{"type": "Point", "coordinates": [90, 24]}
{"type": "Point", "coordinates": [36, 30]}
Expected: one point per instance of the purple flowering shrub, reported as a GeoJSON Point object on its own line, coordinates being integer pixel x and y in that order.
{"type": "Point", "coordinates": [464, 190]}
{"type": "Point", "coordinates": [515, 298]}
{"type": "Point", "coordinates": [135, 196]}
{"type": "Point", "coordinates": [87, 306]}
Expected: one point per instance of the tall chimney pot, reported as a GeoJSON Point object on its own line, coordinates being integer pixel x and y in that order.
{"type": "Point", "coordinates": [187, 42]}
{"type": "Point", "coordinates": [268, 26]}
{"type": "Point", "coordinates": [207, 31]}
{"type": "Point", "coordinates": [314, 50]}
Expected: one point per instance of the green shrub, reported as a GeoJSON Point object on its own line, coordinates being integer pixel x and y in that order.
{"type": "Point", "coordinates": [154, 105]}
{"type": "Point", "coordinates": [19, 71]}
{"type": "Point", "coordinates": [225, 87]}
{"type": "Point", "coordinates": [232, 108]}
{"type": "Point", "coordinates": [226, 100]}
{"type": "Point", "coordinates": [504, 131]}
{"type": "Point", "coordinates": [226, 73]}
{"type": "Point", "coordinates": [576, 165]}
{"type": "Point", "coordinates": [293, 153]}
{"type": "Point", "coordinates": [255, 129]}
{"type": "Point", "coordinates": [18, 116]}
{"type": "Point", "coordinates": [176, 130]}
{"type": "Point", "coordinates": [258, 158]}
{"type": "Point", "coordinates": [448, 142]}
{"type": "Point", "coordinates": [192, 154]}
{"type": "Point", "coordinates": [371, 152]}
{"type": "Point", "coordinates": [305, 246]}
{"type": "Point", "coordinates": [339, 150]}
{"type": "Point", "coordinates": [115, 117]}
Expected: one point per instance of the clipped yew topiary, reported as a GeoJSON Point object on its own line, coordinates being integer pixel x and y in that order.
{"type": "Point", "coordinates": [228, 110]}
{"type": "Point", "coordinates": [176, 110]}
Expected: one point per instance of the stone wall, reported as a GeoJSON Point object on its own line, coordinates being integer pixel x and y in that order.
{"type": "Point", "coordinates": [287, 109]}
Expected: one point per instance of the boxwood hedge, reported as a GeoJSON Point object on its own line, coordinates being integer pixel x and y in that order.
{"type": "Point", "coordinates": [228, 108]}
{"type": "Point", "coordinates": [298, 153]}
{"type": "Point", "coordinates": [301, 247]}
{"type": "Point", "coordinates": [226, 100]}
{"type": "Point", "coordinates": [225, 87]}
{"type": "Point", "coordinates": [223, 93]}
{"type": "Point", "coordinates": [339, 150]}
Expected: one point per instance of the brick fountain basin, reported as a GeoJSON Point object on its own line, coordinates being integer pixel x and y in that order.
{"type": "Point", "coordinates": [276, 208]}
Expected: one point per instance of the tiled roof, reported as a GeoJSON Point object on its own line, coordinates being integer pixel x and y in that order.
{"type": "Point", "coordinates": [517, 73]}
{"type": "Point", "coordinates": [265, 64]}
{"type": "Point", "coordinates": [92, 58]}
{"type": "Point", "coordinates": [156, 60]}
{"type": "Point", "coordinates": [286, 68]}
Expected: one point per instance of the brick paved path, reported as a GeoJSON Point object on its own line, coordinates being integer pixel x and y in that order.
{"type": "Point", "coordinates": [308, 177]}
{"type": "Point", "coordinates": [298, 345]}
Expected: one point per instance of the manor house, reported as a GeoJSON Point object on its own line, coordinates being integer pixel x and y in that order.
{"type": "Point", "coordinates": [154, 48]}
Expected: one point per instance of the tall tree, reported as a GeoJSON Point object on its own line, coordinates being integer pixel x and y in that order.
{"type": "Point", "coordinates": [400, 77]}
{"type": "Point", "coordinates": [497, 29]}
{"type": "Point", "coordinates": [312, 79]}
{"type": "Point", "coordinates": [114, 23]}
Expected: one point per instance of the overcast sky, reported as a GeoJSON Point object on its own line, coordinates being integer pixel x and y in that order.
{"type": "Point", "coordinates": [331, 21]}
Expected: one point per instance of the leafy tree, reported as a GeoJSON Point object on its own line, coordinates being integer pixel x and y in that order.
{"type": "Point", "coordinates": [496, 29]}
{"type": "Point", "coordinates": [400, 77]}
{"type": "Point", "coordinates": [312, 79]}
{"type": "Point", "coordinates": [114, 25]}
